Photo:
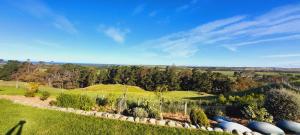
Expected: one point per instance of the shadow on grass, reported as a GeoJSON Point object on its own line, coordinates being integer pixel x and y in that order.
{"type": "Point", "coordinates": [19, 125]}
{"type": "Point", "coordinates": [201, 98]}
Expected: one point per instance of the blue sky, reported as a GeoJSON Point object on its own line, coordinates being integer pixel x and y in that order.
{"type": "Point", "coordinates": [185, 32]}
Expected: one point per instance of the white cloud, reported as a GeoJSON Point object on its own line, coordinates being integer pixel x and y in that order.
{"type": "Point", "coordinates": [115, 33]}
{"type": "Point", "coordinates": [186, 6]}
{"type": "Point", "coordinates": [232, 33]}
{"type": "Point", "coordinates": [40, 10]}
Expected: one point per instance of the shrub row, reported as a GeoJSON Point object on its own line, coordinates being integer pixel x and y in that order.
{"type": "Point", "coordinates": [75, 101]}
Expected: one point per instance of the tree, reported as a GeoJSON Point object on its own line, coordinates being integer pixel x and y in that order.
{"type": "Point", "coordinates": [172, 78]}
{"type": "Point", "coordinates": [9, 69]}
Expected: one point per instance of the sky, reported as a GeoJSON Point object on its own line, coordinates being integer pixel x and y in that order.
{"type": "Point", "coordinates": [254, 33]}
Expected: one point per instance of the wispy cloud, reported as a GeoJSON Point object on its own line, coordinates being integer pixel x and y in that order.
{"type": "Point", "coordinates": [40, 10]}
{"type": "Point", "coordinates": [153, 13]}
{"type": "Point", "coordinates": [186, 6]}
{"type": "Point", "coordinates": [232, 33]}
{"type": "Point", "coordinates": [282, 55]}
{"type": "Point", "coordinates": [115, 33]}
{"type": "Point", "coordinates": [138, 9]}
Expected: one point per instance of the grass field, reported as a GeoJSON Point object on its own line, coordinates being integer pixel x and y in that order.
{"type": "Point", "coordinates": [41, 121]}
{"type": "Point", "coordinates": [113, 90]}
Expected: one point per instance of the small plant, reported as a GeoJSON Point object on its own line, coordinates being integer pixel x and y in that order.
{"type": "Point", "coordinates": [44, 95]}
{"type": "Point", "coordinates": [140, 112]}
{"type": "Point", "coordinates": [256, 113]}
{"type": "Point", "coordinates": [222, 99]}
{"type": "Point", "coordinates": [52, 103]}
{"type": "Point", "coordinates": [198, 117]}
{"type": "Point", "coordinates": [102, 101]}
{"type": "Point", "coordinates": [214, 111]}
{"type": "Point", "coordinates": [29, 93]}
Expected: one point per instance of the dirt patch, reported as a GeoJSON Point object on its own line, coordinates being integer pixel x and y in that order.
{"type": "Point", "coordinates": [31, 101]}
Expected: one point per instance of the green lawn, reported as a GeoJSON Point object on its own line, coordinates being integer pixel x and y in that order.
{"type": "Point", "coordinates": [115, 90]}
{"type": "Point", "coordinates": [41, 122]}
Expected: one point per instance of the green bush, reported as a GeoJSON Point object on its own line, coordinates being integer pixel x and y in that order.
{"type": "Point", "coordinates": [75, 101]}
{"type": "Point", "coordinates": [140, 112]}
{"type": "Point", "coordinates": [44, 95]}
{"type": "Point", "coordinates": [101, 101]}
{"type": "Point", "coordinates": [254, 112]}
{"type": "Point", "coordinates": [198, 117]}
{"type": "Point", "coordinates": [222, 99]}
{"type": "Point", "coordinates": [283, 104]}
{"type": "Point", "coordinates": [214, 111]}
{"type": "Point", "coordinates": [29, 93]}
{"type": "Point", "coordinates": [52, 103]}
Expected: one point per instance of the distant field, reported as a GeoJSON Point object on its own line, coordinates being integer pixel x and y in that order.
{"type": "Point", "coordinates": [113, 90]}
{"type": "Point", "coordinates": [41, 121]}
{"type": "Point", "coordinates": [231, 73]}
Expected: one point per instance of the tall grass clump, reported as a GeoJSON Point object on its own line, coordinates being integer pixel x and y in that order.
{"type": "Point", "coordinates": [75, 101]}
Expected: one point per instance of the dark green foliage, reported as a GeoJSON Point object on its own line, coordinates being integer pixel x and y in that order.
{"type": "Point", "coordinates": [102, 101]}
{"type": "Point", "coordinates": [9, 69]}
{"type": "Point", "coordinates": [29, 93]}
{"type": "Point", "coordinates": [283, 104]}
{"type": "Point", "coordinates": [52, 103]}
{"type": "Point", "coordinates": [44, 95]}
{"type": "Point", "coordinates": [214, 111]}
{"type": "Point", "coordinates": [75, 101]}
{"type": "Point", "coordinates": [198, 117]}
{"type": "Point", "coordinates": [139, 112]}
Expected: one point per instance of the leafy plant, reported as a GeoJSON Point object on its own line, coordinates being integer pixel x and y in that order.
{"type": "Point", "coordinates": [222, 99]}
{"type": "Point", "coordinates": [44, 95]}
{"type": "Point", "coordinates": [198, 117]}
{"type": "Point", "coordinates": [140, 112]}
{"type": "Point", "coordinates": [257, 113]}
{"type": "Point", "coordinates": [32, 88]}
{"type": "Point", "coordinates": [214, 111]}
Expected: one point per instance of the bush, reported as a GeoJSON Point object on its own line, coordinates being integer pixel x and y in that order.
{"type": "Point", "coordinates": [101, 101]}
{"type": "Point", "coordinates": [140, 112]}
{"type": "Point", "coordinates": [52, 103]}
{"type": "Point", "coordinates": [283, 104]}
{"type": "Point", "coordinates": [32, 88]}
{"type": "Point", "coordinates": [214, 111]}
{"type": "Point", "coordinates": [45, 95]}
{"type": "Point", "coordinates": [254, 112]}
{"type": "Point", "coordinates": [198, 117]}
{"type": "Point", "coordinates": [75, 101]}
{"type": "Point", "coordinates": [222, 99]}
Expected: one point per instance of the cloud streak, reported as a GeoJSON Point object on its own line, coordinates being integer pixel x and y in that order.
{"type": "Point", "coordinates": [279, 24]}
{"type": "Point", "coordinates": [40, 10]}
{"type": "Point", "coordinates": [115, 33]}
{"type": "Point", "coordinates": [283, 55]}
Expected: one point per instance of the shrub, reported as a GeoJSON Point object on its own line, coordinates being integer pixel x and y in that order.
{"type": "Point", "coordinates": [283, 104]}
{"type": "Point", "coordinates": [45, 95]}
{"type": "Point", "coordinates": [154, 113]}
{"type": "Point", "coordinates": [256, 113]}
{"type": "Point", "coordinates": [222, 99]}
{"type": "Point", "coordinates": [75, 101]}
{"type": "Point", "coordinates": [140, 112]}
{"type": "Point", "coordinates": [101, 101]}
{"type": "Point", "coordinates": [52, 103]}
{"type": "Point", "coordinates": [214, 111]}
{"type": "Point", "coordinates": [198, 117]}
{"type": "Point", "coordinates": [32, 88]}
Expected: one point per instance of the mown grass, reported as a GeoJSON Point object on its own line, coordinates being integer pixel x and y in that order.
{"type": "Point", "coordinates": [43, 122]}
{"type": "Point", "coordinates": [113, 90]}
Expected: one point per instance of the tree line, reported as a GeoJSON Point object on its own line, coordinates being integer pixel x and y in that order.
{"type": "Point", "coordinates": [70, 76]}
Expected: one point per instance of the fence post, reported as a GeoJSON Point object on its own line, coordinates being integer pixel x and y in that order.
{"type": "Point", "coordinates": [185, 108]}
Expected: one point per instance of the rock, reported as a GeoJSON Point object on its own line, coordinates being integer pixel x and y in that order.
{"type": "Point", "coordinates": [171, 123]}
{"type": "Point", "coordinates": [203, 128]}
{"type": "Point", "coordinates": [265, 128]}
{"type": "Point", "coordinates": [230, 126]}
{"type": "Point", "coordinates": [116, 116]}
{"type": "Point", "coordinates": [123, 118]}
{"type": "Point", "coordinates": [137, 119]}
{"type": "Point", "coordinates": [130, 119]}
{"type": "Point", "coordinates": [289, 126]}
{"type": "Point", "coordinates": [152, 121]}
{"type": "Point", "coordinates": [256, 133]}
{"type": "Point", "coordinates": [161, 122]}
{"type": "Point", "coordinates": [186, 125]}
{"type": "Point", "coordinates": [109, 115]}
{"type": "Point", "coordinates": [78, 111]}
{"type": "Point", "coordinates": [178, 124]}
{"type": "Point", "coordinates": [247, 133]}
{"type": "Point", "coordinates": [210, 129]}
{"type": "Point", "coordinates": [104, 115]}
{"type": "Point", "coordinates": [236, 132]}
{"type": "Point", "coordinates": [216, 129]}
{"type": "Point", "coordinates": [143, 120]}
{"type": "Point", "coordinates": [98, 114]}
{"type": "Point", "coordinates": [193, 127]}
